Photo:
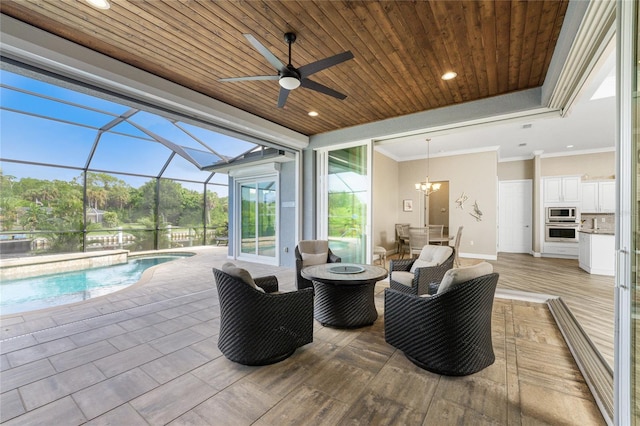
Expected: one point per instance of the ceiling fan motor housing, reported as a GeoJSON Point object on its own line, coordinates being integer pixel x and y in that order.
{"type": "Point", "coordinates": [290, 38]}
{"type": "Point", "coordinates": [289, 76]}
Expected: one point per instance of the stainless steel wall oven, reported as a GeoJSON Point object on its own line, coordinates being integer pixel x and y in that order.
{"type": "Point", "coordinates": [561, 232]}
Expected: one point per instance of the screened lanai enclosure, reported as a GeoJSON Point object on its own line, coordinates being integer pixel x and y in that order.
{"type": "Point", "coordinates": [82, 169]}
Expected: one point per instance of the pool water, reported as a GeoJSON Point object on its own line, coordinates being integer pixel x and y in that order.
{"type": "Point", "coordinates": [44, 291]}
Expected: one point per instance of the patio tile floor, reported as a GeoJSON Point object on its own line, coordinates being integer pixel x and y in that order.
{"type": "Point", "coordinates": [148, 355]}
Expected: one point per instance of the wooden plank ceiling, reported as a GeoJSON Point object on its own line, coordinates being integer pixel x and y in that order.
{"type": "Point", "coordinates": [401, 49]}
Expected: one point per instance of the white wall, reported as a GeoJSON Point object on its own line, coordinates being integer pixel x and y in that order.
{"type": "Point", "coordinates": [476, 176]}
{"type": "Point", "coordinates": [385, 202]}
{"type": "Point", "coordinates": [600, 165]}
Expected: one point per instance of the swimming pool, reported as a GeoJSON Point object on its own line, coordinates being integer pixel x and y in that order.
{"type": "Point", "coordinates": [27, 294]}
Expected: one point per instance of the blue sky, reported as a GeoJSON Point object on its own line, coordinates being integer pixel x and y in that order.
{"type": "Point", "coordinates": [49, 124]}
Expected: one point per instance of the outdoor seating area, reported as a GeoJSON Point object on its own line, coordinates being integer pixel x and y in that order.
{"type": "Point", "coordinates": [153, 353]}
{"type": "Point", "coordinates": [320, 212]}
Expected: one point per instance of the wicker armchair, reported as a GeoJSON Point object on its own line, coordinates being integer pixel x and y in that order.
{"type": "Point", "coordinates": [307, 252]}
{"type": "Point", "coordinates": [259, 328]}
{"type": "Point", "coordinates": [448, 333]}
{"type": "Point", "coordinates": [417, 281]}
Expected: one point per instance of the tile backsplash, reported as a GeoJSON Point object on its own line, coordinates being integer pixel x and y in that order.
{"type": "Point", "coordinates": [605, 221]}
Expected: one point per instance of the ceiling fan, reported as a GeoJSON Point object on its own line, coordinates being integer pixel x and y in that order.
{"type": "Point", "coordinates": [290, 77]}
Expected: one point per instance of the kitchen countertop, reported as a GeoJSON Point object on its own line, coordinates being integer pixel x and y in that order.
{"type": "Point", "coordinates": [597, 232]}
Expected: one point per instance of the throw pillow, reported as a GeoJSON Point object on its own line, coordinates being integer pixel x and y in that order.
{"type": "Point", "coordinates": [419, 263]}
{"type": "Point", "coordinates": [313, 246]}
{"type": "Point", "coordinates": [431, 255]}
{"type": "Point", "coordinates": [441, 254]}
{"type": "Point", "coordinates": [460, 275]}
{"type": "Point", "coordinates": [241, 274]}
{"type": "Point", "coordinates": [309, 259]}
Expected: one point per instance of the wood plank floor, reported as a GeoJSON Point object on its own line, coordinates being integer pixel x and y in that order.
{"type": "Point", "coordinates": [590, 297]}
{"type": "Point", "coordinates": [148, 355]}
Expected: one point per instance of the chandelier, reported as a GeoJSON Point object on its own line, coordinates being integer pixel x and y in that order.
{"type": "Point", "coordinates": [426, 186]}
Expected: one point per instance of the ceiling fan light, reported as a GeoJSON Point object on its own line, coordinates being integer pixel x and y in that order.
{"type": "Point", "coordinates": [289, 83]}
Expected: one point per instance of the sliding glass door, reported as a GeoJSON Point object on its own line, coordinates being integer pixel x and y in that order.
{"type": "Point", "coordinates": [258, 219]}
{"type": "Point", "coordinates": [627, 350]}
{"type": "Point", "coordinates": [344, 200]}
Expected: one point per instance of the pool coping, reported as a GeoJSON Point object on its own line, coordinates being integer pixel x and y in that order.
{"type": "Point", "coordinates": [26, 267]}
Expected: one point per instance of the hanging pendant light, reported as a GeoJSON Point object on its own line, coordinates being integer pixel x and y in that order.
{"type": "Point", "coordinates": [427, 187]}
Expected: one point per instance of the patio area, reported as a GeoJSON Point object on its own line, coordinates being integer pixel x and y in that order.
{"type": "Point", "coordinates": [148, 355]}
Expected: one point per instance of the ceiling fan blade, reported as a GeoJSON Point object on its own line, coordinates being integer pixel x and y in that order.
{"type": "Point", "coordinates": [251, 77]}
{"type": "Point", "coordinates": [314, 67]}
{"type": "Point", "coordinates": [275, 62]}
{"type": "Point", "coordinates": [282, 97]}
{"type": "Point", "coordinates": [310, 84]}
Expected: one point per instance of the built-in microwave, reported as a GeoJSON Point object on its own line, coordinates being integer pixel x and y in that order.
{"type": "Point", "coordinates": [562, 214]}
{"type": "Point", "coordinates": [561, 232]}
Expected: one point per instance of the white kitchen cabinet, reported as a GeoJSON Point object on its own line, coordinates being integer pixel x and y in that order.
{"type": "Point", "coordinates": [598, 197]}
{"type": "Point", "coordinates": [562, 250]}
{"type": "Point", "coordinates": [561, 189]}
{"type": "Point", "coordinates": [597, 253]}
{"type": "Point", "coordinates": [607, 196]}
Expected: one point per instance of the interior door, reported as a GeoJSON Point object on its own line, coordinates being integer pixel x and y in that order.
{"type": "Point", "coordinates": [515, 216]}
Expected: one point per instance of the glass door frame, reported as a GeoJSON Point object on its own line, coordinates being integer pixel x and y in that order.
{"type": "Point", "coordinates": [322, 191]}
{"type": "Point", "coordinates": [626, 357]}
{"type": "Point", "coordinates": [239, 182]}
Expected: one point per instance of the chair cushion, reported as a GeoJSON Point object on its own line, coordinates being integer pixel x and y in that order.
{"type": "Point", "coordinates": [403, 277]}
{"type": "Point", "coordinates": [460, 275]}
{"type": "Point", "coordinates": [431, 255]}
{"type": "Point", "coordinates": [313, 252]}
{"type": "Point", "coordinates": [241, 274]}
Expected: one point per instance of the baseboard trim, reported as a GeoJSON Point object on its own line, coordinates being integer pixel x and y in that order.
{"type": "Point", "coordinates": [478, 256]}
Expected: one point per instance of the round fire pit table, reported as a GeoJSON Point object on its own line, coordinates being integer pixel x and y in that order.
{"type": "Point", "coordinates": [344, 293]}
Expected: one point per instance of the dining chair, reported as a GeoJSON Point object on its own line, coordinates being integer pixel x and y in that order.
{"type": "Point", "coordinates": [418, 238]}
{"type": "Point", "coordinates": [456, 247]}
{"type": "Point", "coordinates": [436, 234]}
{"type": "Point", "coordinates": [402, 238]}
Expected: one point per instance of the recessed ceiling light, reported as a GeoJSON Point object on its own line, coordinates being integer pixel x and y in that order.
{"type": "Point", "coordinates": [449, 75]}
{"type": "Point", "coordinates": [313, 113]}
{"type": "Point", "coordinates": [100, 4]}
{"type": "Point", "coordinates": [569, 146]}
